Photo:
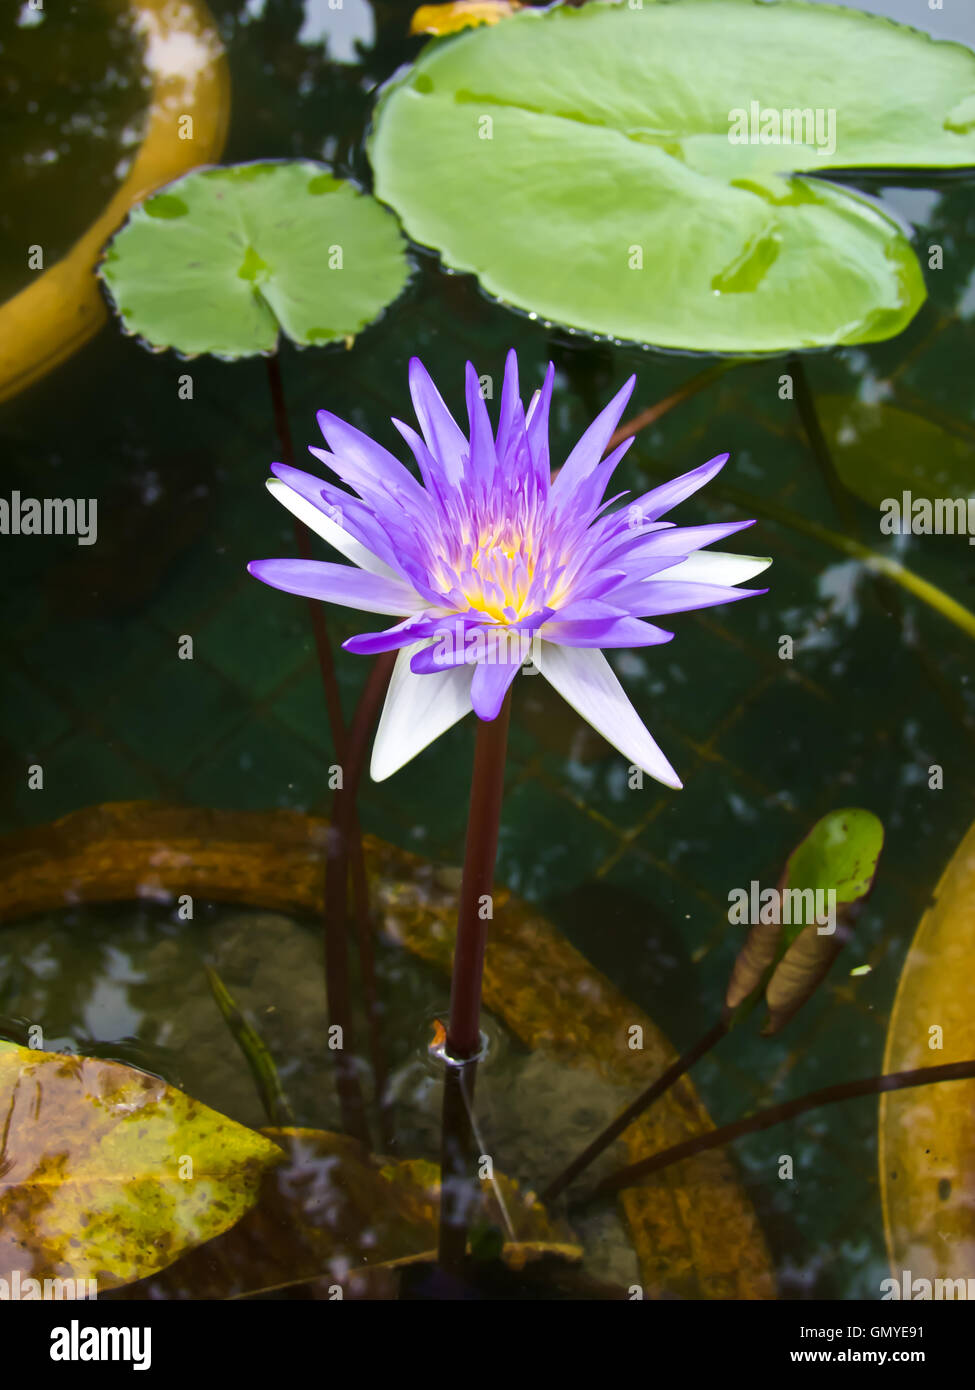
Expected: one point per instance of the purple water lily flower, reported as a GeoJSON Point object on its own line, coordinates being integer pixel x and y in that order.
{"type": "Point", "coordinates": [490, 560]}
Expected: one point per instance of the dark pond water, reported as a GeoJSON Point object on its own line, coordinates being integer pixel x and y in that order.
{"type": "Point", "coordinates": [880, 689]}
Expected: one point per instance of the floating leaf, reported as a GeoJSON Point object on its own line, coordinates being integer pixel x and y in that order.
{"type": "Point", "coordinates": [693, 1227]}
{"type": "Point", "coordinates": [927, 1138]}
{"type": "Point", "coordinates": [839, 855]}
{"type": "Point", "coordinates": [600, 139]}
{"type": "Point", "coordinates": [107, 1173]}
{"type": "Point", "coordinates": [460, 14]}
{"type": "Point", "coordinates": [881, 452]}
{"type": "Point", "coordinates": [223, 259]}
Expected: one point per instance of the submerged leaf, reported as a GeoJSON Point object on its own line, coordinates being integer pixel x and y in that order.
{"type": "Point", "coordinates": [107, 1173]}
{"type": "Point", "coordinates": [881, 451]}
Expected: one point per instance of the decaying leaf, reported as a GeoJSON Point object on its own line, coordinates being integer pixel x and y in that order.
{"type": "Point", "coordinates": [694, 1228]}
{"type": "Point", "coordinates": [107, 1173]}
{"type": "Point", "coordinates": [335, 1216]}
{"type": "Point", "coordinates": [927, 1136]}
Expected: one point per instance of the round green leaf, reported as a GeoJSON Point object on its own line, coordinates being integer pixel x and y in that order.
{"type": "Point", "coordinates": [109, 1174]}
{"type": "Point", "coordinates": [839, 853]}
{"type": "Point", "coordinates": [222, 259]}
{"type": "Point", "coordinates": [578, 161]}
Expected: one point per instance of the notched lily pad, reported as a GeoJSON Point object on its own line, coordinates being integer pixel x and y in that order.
{"type": "Point", "coordinates": [224, 259]}
{"type": "Point", "coordinates": [107, 1173]}
{"type": "Point", "coordinates": [663, 213]}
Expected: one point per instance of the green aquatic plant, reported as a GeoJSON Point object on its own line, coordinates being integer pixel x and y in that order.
{"type": "Point", "coordinates": [667, 173]}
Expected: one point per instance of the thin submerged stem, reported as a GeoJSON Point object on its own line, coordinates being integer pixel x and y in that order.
{"type": "Point", "coordinates": [776, 1114]}
{"type": "Point", "coordinates": [345, 849]}
{"type": "Point", "coordinates": [463, 1041]}
{"type": "Point", "coordinates": [335, 944]}
{"type": "Point", "coordinates": [625, 1118]}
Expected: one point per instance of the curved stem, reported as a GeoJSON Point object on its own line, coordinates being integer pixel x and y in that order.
{"type": "Point", "coordinates": [776, 1114]}
{"type": "Point", "coordinates": [683, 393]}
{"type": "Point", "coordinates": [458, 1183]}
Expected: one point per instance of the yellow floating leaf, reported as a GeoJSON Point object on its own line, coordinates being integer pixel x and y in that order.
{"type": "Point", "coordinates": [927, 1135]}
{"type": "Point", "coordinates": [331, 1213]}
{"type": "Point", "coordinates": [461, 14]}
{"type": "Point", "coordinates": [107, 1173]}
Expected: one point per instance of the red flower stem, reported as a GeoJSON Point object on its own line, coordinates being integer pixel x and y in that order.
{"type": "Point", "coordinates": [463, 1042]}
{"type": "Point", "coordinates": [480, 855]}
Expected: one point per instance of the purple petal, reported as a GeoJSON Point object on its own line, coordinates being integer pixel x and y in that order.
{"type": "Point", "coordinates": [411, 629]}
{"type": "Point", "coordinates": [489, 687]}
{"type": "Point", "coordinates": [536, 427]}
{"type": "Point", "coordinates": [654, 597]}
{"type": "Point", "coordinates": [337, 584]}
{"type": "Point", "coordinates": [591, 447]}
{"type": "Point", "coordinates": [366, 465]}
{"type": "Point", "coordinates": [654, 503]}
{"type": "Point", "coordinates": [444, 437]}
{"type": "Point", "coordinates": [483, 460]}
{"type": "Point", "coordinates": [606, 632]}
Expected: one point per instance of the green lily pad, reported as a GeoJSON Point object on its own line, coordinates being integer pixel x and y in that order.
{"type": "Point", "coordinates": [222, 260]}
{"type": "Point", "coordinates": [881, 452]}
{"type": "Point", "coordinates": [109, 1174]}
{"type": "Point", "coordinates": [599, 140]}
